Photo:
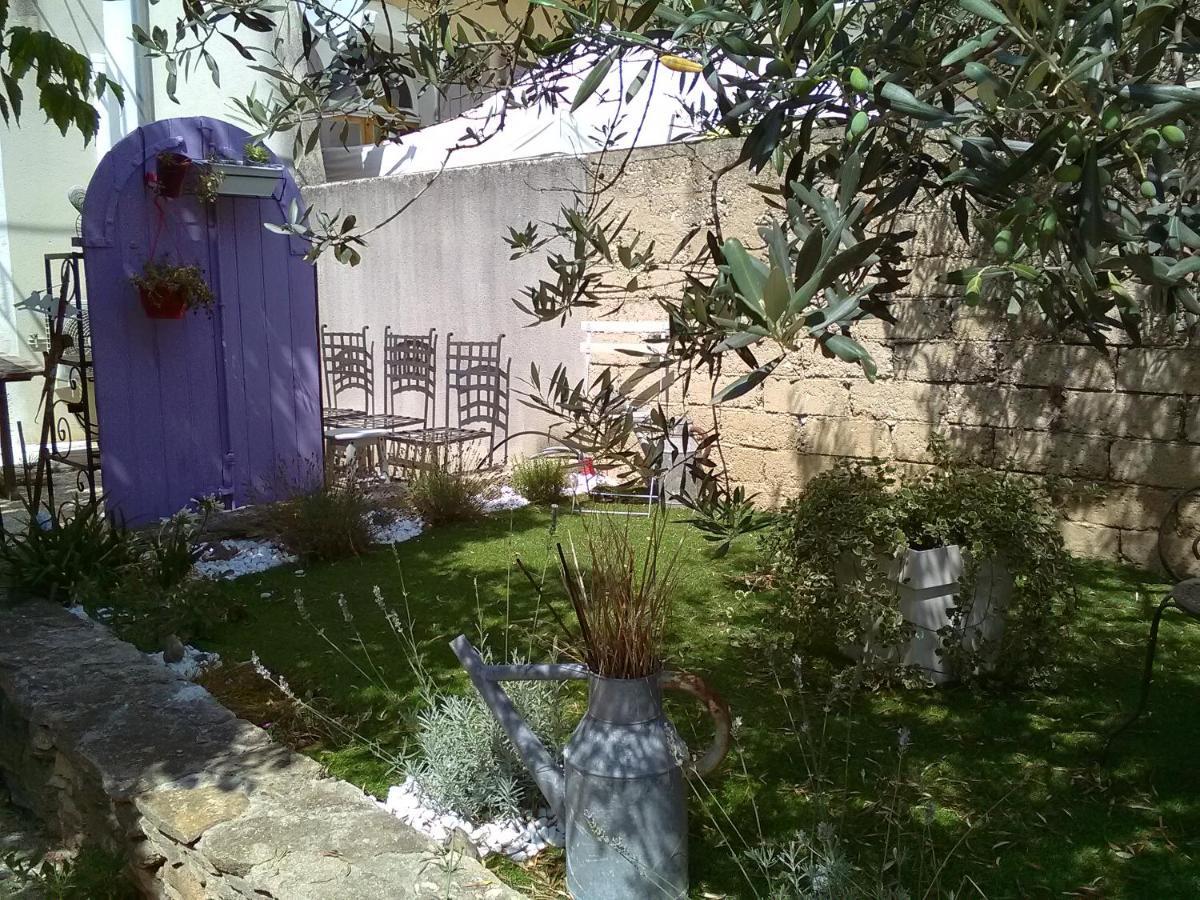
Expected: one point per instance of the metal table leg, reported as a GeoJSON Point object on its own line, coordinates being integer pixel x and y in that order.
{"type": "Point", "coordinates": [1147, 676]}
{"type": "Point", "coordinates": [9, 485]}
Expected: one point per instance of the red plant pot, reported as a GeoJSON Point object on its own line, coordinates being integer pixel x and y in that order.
{"type": "Point", "coordinates": [164, 303]}
{"type": "Point", "coordinates": [172, 170]}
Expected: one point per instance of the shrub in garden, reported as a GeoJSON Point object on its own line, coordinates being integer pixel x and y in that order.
{"type": "Point", "coordinates": [864, 513]}
{"type": "Point", "coordinates": [80, 554]}
{"type": "Point", "coordinates": [442, 495]}
{"type": "Point", "coordinates": [466, 762]}
{"type": "Point", "coordinates": [327, 523]}
{"type": "Point", "coordinates": [540, 480]}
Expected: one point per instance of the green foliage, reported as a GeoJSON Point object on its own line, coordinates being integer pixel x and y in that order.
{"type": "Point", "coordinates": [160, 594]}
{"type": "Point", "coordinates": [256, 153]}
{"type": "Point", "coordinates": [465, 761]}
{"type": "Point", "coordinates": [440, 495]}
{"type": "Point", "coordinates": [93, 874]}
{"type": "Point", "coordinates": [67, 86]}
{"type": "Point", "coordinates": [158, 278]}
{"type": "Point", "coordinates": [826, 547]}
{"type": "Point", "coordinates": [540, 480]}
{"type": "Point", "coordinates": [327, 523]}
{"type": "Point", "coordinates": [77, 556]}
{"type": "Point", "coordinates": [724, 515]}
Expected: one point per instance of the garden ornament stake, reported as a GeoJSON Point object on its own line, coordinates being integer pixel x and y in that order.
{"type": "Point", "coordinates": [620, 793]}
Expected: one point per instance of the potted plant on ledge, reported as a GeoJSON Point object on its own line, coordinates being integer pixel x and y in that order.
{"type": "Point", "coordinates": [168, 291]}
{"type": "Point", "coordinates": [254, 176]}
{"type": "Point", "coordinates": [957, 574]}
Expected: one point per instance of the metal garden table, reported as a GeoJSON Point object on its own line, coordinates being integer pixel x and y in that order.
{"type": "Point", "coordinates": [12, 370]}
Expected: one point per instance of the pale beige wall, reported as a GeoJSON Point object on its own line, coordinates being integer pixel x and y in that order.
{"type": "Point", "coordinates": [443, 264]}
{"type": "Point", "coordinates": [1123, 424]}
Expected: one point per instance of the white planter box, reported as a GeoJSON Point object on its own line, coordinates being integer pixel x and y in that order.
{"type": "Point", "coordinates": [240, 180]}
{"type": "Point", "coordinates": [926, 583]}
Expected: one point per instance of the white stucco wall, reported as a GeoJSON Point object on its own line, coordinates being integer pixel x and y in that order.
{"type": "Point", "coordinates": [443, 264]}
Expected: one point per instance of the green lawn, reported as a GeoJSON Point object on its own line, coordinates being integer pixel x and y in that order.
{"type": "Point", "coordinates": [1003, 786]}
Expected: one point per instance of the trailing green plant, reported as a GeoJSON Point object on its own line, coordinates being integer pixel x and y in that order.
{"type": "Point", "coordinates": [540, 480]}
{"type": "Point", "coordinates": [78, 555]}
{"type": "Point", "coordinates": [441, 495]}
{"type": "Point", "coordinates": [256, 154]}
{"type": "Point", "coordinates": [208, 182]}
{"type": "Point", "coordinates": [826, 547]}
{"type": "Point", "coordinates": [330, 522]}
{"type": "Point", "coordinates": [159, 279]}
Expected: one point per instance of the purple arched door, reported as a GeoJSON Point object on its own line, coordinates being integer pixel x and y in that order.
{"type": "Point", "coordinates": [226, 404]}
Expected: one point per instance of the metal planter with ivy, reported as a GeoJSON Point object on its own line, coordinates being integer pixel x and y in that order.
{"type": "Point", "coordinates": [928, 586]}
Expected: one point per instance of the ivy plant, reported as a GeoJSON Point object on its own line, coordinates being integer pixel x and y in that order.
{"type": "Point", "coordinates": [829, 547]}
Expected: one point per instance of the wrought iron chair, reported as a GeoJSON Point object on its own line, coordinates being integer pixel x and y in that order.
{"type": "Point", "coordinates": [475, 379]}
{"type": "Point", "coordinates": [349, 369]}
{"type": "Point", "coordinates": [1183, 596]}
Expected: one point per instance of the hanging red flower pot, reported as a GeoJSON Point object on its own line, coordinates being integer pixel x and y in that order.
{"type": "Point", "coordinates": [172, 170]}
{"type": "Point", "coordinates": [163, 303]}
{"type": "Point", "coordinates": [168, 291]}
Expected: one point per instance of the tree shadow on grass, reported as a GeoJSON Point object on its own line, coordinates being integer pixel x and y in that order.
{"type": "Point", "coordinates": [1018, 803]}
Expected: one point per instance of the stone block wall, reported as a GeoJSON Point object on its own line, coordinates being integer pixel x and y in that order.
{"type": "Point", "coordinates": [110, 748]}
{"type": "Point", "coordinates": [1122, 424]}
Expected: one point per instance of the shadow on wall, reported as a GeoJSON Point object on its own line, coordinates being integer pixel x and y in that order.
{"type": "Point", "coordinates": [1117, 430]}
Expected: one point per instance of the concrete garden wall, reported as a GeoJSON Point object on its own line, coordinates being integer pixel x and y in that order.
{"type": "Point", "coordinates": [1124, 425]}
{"type": "Point", "coordinates": [108, 747]}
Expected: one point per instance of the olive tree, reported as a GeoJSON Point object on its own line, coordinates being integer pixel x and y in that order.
{"type": "Point", "coordinates": [1060, 136]}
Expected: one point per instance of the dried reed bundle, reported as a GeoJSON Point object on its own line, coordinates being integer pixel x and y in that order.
{"type": "Point", "coordinates": [624, 599]}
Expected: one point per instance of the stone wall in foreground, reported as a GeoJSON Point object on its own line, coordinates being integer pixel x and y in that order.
{"type": "Point", "coordinates": [108, 747]}
{"type": "Point", "coordinates": [1123, 425]}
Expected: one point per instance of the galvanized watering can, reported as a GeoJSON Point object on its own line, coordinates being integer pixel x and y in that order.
{"type": "Point", "coordinates": [621, 795]}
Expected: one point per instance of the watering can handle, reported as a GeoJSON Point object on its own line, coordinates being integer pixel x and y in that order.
{"type": "Point", "coordinates": [694, 686]}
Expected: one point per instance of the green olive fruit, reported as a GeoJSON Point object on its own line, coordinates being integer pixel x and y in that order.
{"type": "Point", "coordinates": [1149, 191]}
{"type": "Point", "coordinates": [1068, 174]}
{"type": "Point", "coordinates": [1050, 223]}
{"type": "Point", "coordinates": [1105, 177]}
{"type": "Point", "coordinates": [1173, 135]}
{"type": "Point", "coordinates": [1074, 148]}
{"type": "Point", "coordinates": [1111, 118]}
{"type": "Point", "coordinates": [1003, 243]}
{"type": "Point", "coordinates": [859, 123]}
{"type": "Point", "coordinates": [777, 68]}
{"type": "Point", "coordinates": [859, 80]}
{"type": "Point", "coordinates": [1025, 206]}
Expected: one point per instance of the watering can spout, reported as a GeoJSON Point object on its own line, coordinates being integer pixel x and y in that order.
{"type": "Point", "coordinates": [486, 678]}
